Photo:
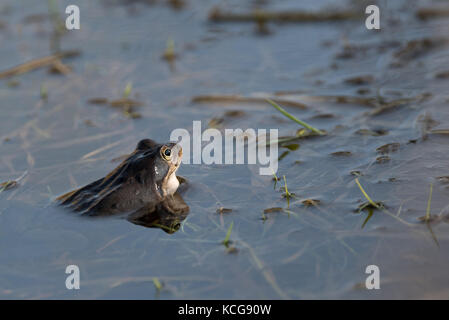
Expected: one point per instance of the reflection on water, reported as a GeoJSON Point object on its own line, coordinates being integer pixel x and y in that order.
{"type": "Point", "coordinates": [168, 220]}
{"type": "Point", "coordinates": [380, 96]}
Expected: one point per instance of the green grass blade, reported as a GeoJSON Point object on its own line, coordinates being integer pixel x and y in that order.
{"type": "Point", "coordinates": [157, 284]}
{"type": "Point", "coordinates": [127, 91]}
{"type": "Point", "coordinates": [366, 195]}
{"type": "Point", "coordinates": [291, 117]}
{"type": "Point", "coordinates": [228, 234]}
{"type": "Point", "coordinates": [287, 194]}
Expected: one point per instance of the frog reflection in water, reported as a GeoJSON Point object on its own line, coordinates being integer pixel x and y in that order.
{"type": "Point", "coordinates": [144, 184]}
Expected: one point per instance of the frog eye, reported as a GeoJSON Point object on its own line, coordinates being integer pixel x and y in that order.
{"type": "Point", "coordinates": [166, 153]}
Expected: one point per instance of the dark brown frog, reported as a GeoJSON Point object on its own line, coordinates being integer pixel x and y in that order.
{"type": "Point", "coordinates": [144, 184]}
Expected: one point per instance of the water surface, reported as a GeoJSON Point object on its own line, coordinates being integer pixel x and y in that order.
{"type": "Point", "coordinates": [303, 252]}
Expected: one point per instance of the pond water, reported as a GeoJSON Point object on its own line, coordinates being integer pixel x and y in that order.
{"type": "Point", "coordinates": [365, 88]}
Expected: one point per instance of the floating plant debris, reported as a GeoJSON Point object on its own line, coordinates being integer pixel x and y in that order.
{"type": "Point", "coordinates": [10, 184]}
{"type": "Point", "coordinates": [440, 131]}
{"type": "Point", "coordinates": [384, 106]}
{"type": "Point", "coordinates": [311, 202]}
{"type": "Point", "coordinates": [273, 210]}
{"type": "Point", "coordinates": [177, 4]}
{"type": "Point", "coordinates": [222, 210]}
{"type": "Point", "coordinates": [432, 218]}
{"type": "Point", "coordinates": [368, 205]}
{"type": "Point", "coordinates": [387, 148]}
{"type": "Point", "coordinates": [341, 154]}
{"type": "Point", "coordinates": [232, 99]}
{"type": "Point", "coordinates": [217, 122]}
{"type": "Point", "coordinates": [443, 179]}
{"type": "Point", "coordinates": [430, 13]}
{"type": "Point", "coordinates": [363, 91]}
{"type": "Point", "coordinates": [98, 101]}
{"type": "Point", "coordinates": [234, 113]}
{"type": "Point", "coordinates": [291, 146]}
{"type": "Point", "coordinates": [383, 159]}
{"type": "Point", "coordinates": [232, 250]}
{"type": "Point", "coordinates": [125, 104]}
{"type": "Point", "coordinates": [7, 185]}
{"type": "Point", "coordinates": [269, 211]}
{"type": "Point", "coordinates": [374, 133]}
{"type": "Point", "coordinates": [58, 67]}
{"type": "Point", "coordinates": [416, 48]}
{"type": "Point", "coordinates": [360, 80]}
{"type": "Point", "coordinates": [324, 116]}
{"type": "Point", "coordinates": [37, 63]}
{"type": "Point", "coordinates": [283, 155]}
{"type": "Point", "coordinates": [442, 74]}
{"type": "Point", "coordinates": [218, 15]}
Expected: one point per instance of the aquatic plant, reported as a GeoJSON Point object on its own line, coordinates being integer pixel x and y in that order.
{"type": "Point", "coordinates": [291, 117]}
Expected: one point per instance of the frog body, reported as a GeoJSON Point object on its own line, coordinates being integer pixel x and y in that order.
{"type": "Point", "coordinates": [145, 179]}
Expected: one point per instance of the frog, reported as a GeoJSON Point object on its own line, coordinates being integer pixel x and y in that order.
{"type": "Point", "coordinates": [143, 184]}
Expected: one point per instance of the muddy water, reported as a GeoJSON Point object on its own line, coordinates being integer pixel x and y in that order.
{"type": "Point", "coordinates": [301, 252]}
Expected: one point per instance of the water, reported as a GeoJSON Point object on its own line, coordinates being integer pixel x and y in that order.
{"type": "Point", "coordinates": [307, 252]}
